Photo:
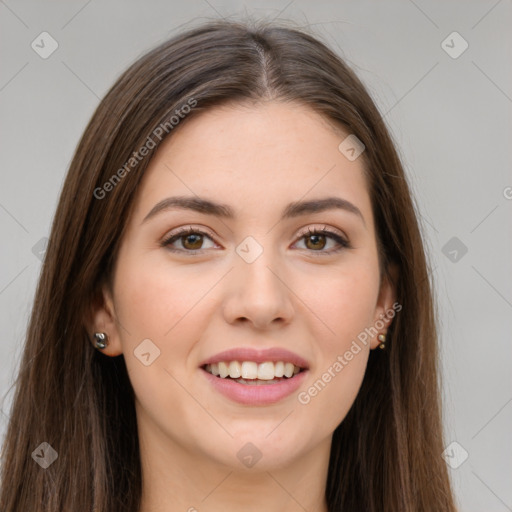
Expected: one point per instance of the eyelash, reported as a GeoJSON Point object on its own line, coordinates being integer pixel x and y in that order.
{"type": "Point", "coordinates": [343, 244]}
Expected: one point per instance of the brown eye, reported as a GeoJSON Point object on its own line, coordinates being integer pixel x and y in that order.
{"type": "Point", "coordinates": [317, 241]}
{"type": "Point", "coordinates": [192, 241]}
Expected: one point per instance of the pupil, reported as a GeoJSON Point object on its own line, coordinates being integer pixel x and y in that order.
{"type": "Point", "coordinates": [315, 239]}
{"type": "Point", "coordinates": [198, 239]}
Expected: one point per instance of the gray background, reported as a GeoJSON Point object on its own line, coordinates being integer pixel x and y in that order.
{"type": "Point", "coordinates": [451, 118]}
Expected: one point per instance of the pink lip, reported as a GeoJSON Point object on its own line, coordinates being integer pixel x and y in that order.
{"type": "Point", "coordinates": [264, 394]}
{"type": "Point", "coordinates": [258, 356]}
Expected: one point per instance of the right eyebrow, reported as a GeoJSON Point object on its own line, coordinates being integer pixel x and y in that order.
{"type": "Point", "coordinates": [196, 204]}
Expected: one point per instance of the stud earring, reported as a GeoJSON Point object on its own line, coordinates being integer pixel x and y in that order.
{"type": "Point", "coordinates": [382, 339]}
{"type": "Point", "coordinates": [101, 339]}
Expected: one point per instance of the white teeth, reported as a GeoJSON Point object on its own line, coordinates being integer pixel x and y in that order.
{"type": "Point", "coordinates": [279, 369]}
{"type": "Point", "coordinates": [288, 370]}
{"type": "Point", "coordinates": [249, 370]}
{"type": "Point", "coordinates": [266, 371]}
{"type": "Point", "coordinates": [235, 369]}
{"type": "Point", "coordinates": [246, 371]}
{"type": "Point", "coordinates": [223, 370]}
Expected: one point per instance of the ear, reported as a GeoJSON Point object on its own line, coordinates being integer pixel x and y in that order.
{"type": "Point", "coordinates": [102, 318]}
{"type": "Point", "coordinates": [387, 297]}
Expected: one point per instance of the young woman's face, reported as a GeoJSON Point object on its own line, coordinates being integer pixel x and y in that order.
{"type": "Point", "coordinates": [246, 292]}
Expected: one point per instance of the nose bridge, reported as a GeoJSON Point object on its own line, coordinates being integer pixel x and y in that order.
{"type": "Point", "coordinates": [259, 293]}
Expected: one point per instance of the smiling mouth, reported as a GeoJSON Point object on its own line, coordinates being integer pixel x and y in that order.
{"type": "Point", "coordinates": [252, 373]}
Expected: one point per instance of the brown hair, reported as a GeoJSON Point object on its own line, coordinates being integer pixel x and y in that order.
{"type": "Point", "coordinates": [385, 455]}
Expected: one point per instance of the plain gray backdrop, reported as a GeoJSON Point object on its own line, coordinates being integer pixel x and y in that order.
{"type": "Point", "coordinates": [439, 71]}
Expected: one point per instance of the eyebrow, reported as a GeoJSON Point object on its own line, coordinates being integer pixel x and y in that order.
{"type": "Point", "coordinates": [295, 209]}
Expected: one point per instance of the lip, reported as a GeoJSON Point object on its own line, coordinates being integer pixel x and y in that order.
{"type": "Point", "coordinates": [258, 356]}
{"type": "Point", "coordinates": [264, 394]}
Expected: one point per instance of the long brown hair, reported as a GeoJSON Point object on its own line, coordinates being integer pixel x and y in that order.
{"type": "Point", "coordinates": [385, 455]}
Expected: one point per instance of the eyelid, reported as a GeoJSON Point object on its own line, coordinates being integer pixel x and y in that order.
{"type": "Point", "coordinates": [190, 227]}
{"type": "Point", "coordinates": [335, 234]}
{"type": "Point", "coordinates": [328, 229]}
{"type": "Point", "coordinates": [183, 231]}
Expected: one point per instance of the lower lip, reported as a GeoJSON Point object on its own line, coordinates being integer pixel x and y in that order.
{"type": "Point", "coordinates": [263, 394]}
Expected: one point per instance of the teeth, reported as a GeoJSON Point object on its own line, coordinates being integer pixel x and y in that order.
{"type": "Point", "coordinates": [223, 370]}
{"type": "Point", "coordinates": [266, 371]}
{"type": "Point", "coordinates": [246, 371]}
{"type": "Point", "coordinates": [249, 370]}
{"type": "Point", "coordinates": [288, 370]}
{"type": "Point", "coordinates": [235, 369]}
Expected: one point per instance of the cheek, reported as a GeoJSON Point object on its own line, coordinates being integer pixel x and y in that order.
{"type": "Point", "coordinates": [156, 304]}
{"type": "Point", "coordinates": [154, 307]}
{"type": "Point", "coordinates": [154, 301]}
{"type": "Point", "coordinates": [345, 301]}
{"type": "Point", "coordinates": [332, 391]}
{"type": "Point", "coordinates": [346, 304]}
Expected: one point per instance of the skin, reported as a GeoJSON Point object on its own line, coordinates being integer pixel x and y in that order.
{"type": "Point", "coordinates": [256, 158]}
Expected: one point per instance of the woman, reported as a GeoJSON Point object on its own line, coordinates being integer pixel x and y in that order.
{"type": "Point", "coordinates": [234, 308]}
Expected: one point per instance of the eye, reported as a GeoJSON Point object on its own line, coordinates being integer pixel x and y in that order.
{"type": "Point", "coordinates": [318, 239]}
{"type": "Point", "coordinates": [191, 240]}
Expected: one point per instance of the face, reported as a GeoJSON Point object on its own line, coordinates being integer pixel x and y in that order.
{"type": "Point", "coordinates": [272, 287]}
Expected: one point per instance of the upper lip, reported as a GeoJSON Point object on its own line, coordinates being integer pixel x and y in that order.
{"type": "Point", "coordinates": [257, 356]}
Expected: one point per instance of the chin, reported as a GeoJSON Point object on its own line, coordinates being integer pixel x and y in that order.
{"type": "Point", "coordinates": [257, 450]}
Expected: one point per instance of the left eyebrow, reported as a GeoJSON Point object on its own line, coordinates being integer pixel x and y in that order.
{"type": "Point", "coordinates": [319, 205]}
{"type": "Point", "coordinates": [292, 210]}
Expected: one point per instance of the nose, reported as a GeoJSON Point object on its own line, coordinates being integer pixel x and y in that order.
{"type": "Point", "coordinates": [259, 294]}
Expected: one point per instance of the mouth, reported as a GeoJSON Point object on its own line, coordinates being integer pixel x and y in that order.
{"type": "Point", "coordinates": [252, 373]}
{"type": "Point", "coordinates": [255, 377]}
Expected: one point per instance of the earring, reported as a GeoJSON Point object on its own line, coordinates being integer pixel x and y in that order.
{"type": "Point", "coordinates": [382, 339]}
{"type": "Point", "coordinates": [101, 339]}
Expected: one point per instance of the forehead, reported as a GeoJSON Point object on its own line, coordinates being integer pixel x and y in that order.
{"type": "Point", "coordinates": [254, 157]}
